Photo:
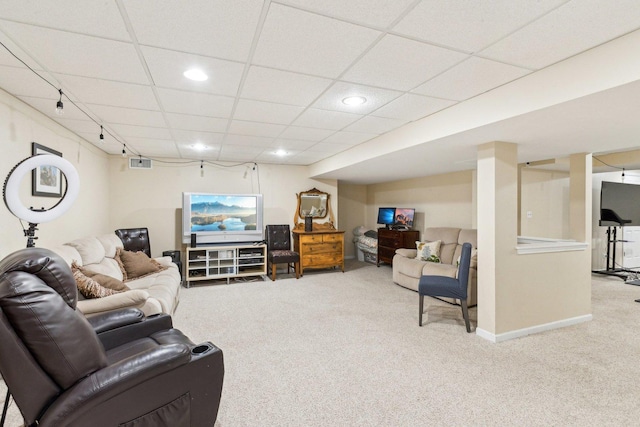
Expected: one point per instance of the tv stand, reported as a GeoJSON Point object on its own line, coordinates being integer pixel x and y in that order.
{"type": "Point", "coordinates": [225, 261]}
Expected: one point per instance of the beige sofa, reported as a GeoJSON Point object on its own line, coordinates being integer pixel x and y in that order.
{"type": "Point", "coordinates": [407, 269]}
{"type": "Point", "coordinates": [155, 293]}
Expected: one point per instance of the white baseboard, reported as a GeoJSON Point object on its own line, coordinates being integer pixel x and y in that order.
{"type": "Point", "coordinates": [533, 329]}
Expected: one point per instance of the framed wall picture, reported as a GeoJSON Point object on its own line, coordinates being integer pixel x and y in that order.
{"type": "Point", "coordinates": [46, 181]}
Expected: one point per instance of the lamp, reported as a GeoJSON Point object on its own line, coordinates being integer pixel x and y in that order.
{"type": "Point", "coordinates": [37, 216]}
{"type": "Point", "coordinates": [101, 134]}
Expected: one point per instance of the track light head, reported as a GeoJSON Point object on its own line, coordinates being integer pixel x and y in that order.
{"type": "Point", "coordinates": [60, 105]}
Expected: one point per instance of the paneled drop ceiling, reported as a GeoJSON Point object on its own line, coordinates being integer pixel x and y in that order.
{"type": "Point", "coordinates": [278, 71]}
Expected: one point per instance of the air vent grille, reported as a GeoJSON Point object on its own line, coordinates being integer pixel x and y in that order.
{"type": "Point", "coordinates": [140, 163]}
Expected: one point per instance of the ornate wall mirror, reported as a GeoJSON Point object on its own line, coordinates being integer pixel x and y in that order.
{"type": "Point", "coordinates": [316, 205]}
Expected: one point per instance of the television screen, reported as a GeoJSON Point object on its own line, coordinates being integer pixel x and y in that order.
{"type": "Point", "coordinates": [386, 216]}
{"type": "Point", "coordinates": [404, 216]}
{"type": "Point", "coordinates": [619, 203]}
{"type": "Point", "coordinates": [219, 218]}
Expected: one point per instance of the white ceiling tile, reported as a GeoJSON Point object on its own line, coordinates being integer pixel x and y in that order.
{"type": "Point", "coordinates": [242, 153]}
{"type": "Point", "coordinates": [265, 84]}
{"type": "Point", "coordinates": [127, 131]}
{"type": "Point", "coordinates": [152, 147]}
{"type": "Point", "coordinates": [295, 40]}
{"type": "Point", "coordinates": [401, 64]}
{"type": "Point", "coordinates": [377, 13]}
{"type": "Point", "coordinates": [127, 116]}
{"type": "Point", "coordinates": [412, 107]}
{"type": "Point", "coordinates": [332, 98]}
{"type": "Point", "coordinates": [197, 123]}
{"type": "Point", "coordinates": [104, 92]}
{"type": "Point", "coordinates": [324, 119]}
{"type": "Point", "coordinates": [305, 158]}
{"type": "Point", "coordinates": [81, 126]}
{"type": "Point", "coordinates": [327, 148]}
{"type": "Point", "coordinates": [470, 25]}
{"type": "Point", "coordinates": [349, 138]}
{"type": "Point", "coordinates": [375, 125]}
{"type": "Point", "coordinates": [189, 150]}
{"type": "Point", "coordinates": [292, 145]}
{"type": "Point", "coordinates": [218, 28]}
{"type": "Point", "coordinates": [167, 68]}
{"type": "Point", "coordinates": [305, 133]}
{"type": "Point", "coordinates": [240, 127]}
{"type": "Point", "coordinates": [201, 104]}
{"type": "Point", "coordinates": [469, 78]}
{"type": "Point", "coordinates": [568, 30]}
{"type": "Point", "coordinates": [255, 141]}
{"type": "Point", "coordinates": [10, 60]}
{"type": "Point", "coordinates": [82, 55]}
{"type": "Point", "coordinates": [185, 137]}
{"type": "Point", "coordinates": [98, 18]}
{"type": "Point", "coordinates": [269, 112]}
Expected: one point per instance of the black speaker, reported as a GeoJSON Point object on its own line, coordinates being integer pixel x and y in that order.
{"type": "Point", "coordinates": [193, 240]}
{"type": "Point", "coordinates": [175, 255]}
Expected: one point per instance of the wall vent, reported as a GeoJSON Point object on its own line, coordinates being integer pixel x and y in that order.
{"type": "Point", "coordinates": [140, 163]}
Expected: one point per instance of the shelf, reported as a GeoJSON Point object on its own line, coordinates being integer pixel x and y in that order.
{"type": "Point", "coordinates": [226, 262]}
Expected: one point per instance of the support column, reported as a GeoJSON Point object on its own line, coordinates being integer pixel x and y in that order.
{"type": "Point", "coordinates": [497, 227]}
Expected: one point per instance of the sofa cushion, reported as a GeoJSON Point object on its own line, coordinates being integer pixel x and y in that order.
{"type": "Point", "coordinates": [428, 251]}
{"type": "Point", "coordinates": [137, 264]}
{"type": "Point", "coordinates": [90, 249]}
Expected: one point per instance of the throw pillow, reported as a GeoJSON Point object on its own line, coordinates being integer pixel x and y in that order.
{"type": "Point", "coordinates": [103, 279]}
{"type": "Point", "coordinates": [137, 264]}
{"type": "Point", "coordinates": [474, 259]}
{"type": "Point", "coordinates": [89, 288]}
{"type": "Point", "coordinates": [371, 233]}
{"type": "Point", "coordinates": [429, 251]}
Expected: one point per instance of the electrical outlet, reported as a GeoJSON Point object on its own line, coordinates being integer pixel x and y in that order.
{"type": "Point", "coordinates": [529, 214]}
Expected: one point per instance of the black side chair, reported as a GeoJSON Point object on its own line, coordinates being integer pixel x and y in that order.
{"type": "Point", "coordinates": [135, 239]}
{"type": "Point", "coordinates": [442, 286]}
{"type": "Point", "coordinates": [279, 249]}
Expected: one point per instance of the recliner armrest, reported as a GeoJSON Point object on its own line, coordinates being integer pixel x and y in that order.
{"type": "Point", "coordinates": [126, 333]}
{"type": "Point", "coordinates": [114, 319]}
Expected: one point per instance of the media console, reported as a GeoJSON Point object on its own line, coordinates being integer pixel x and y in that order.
{"type": "Point", "coordinates": [225, 261]}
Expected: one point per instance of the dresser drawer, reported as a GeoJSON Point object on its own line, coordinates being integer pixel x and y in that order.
{"type": "Point", "coordinates": [332, 238]}
{"type": "Point", "coordinates": [317, 248]}
{"type": "Point", "coordinates": [322, 260]}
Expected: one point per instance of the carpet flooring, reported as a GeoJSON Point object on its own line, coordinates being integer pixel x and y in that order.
{"type": "Point", "coordinates": [345, 349]}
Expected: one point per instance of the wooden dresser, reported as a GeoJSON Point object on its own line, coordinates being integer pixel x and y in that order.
{"type": "Point", "coordinates": [390, 240]}
{"type": "Point", "coordinates": [319, 249]}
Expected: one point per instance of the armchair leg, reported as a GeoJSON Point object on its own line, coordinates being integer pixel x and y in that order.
{"type": "Point", "coordinates": [420, 308]}
{"type": "Point", "coordinates": [465, 313]}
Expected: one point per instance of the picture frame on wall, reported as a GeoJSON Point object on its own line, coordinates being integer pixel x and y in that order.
{"type": "Point", "coordinates": [46, 181]}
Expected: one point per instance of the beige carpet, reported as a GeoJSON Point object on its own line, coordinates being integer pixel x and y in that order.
{"type": "Point", "coordinates": [345, 349]}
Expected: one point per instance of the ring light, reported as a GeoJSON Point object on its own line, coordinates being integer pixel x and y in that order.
{"type": "Point", "coordinates": [12, 186]}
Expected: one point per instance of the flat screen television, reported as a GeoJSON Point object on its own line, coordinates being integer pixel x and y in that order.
{"type": "Point", "coordinates": [222, 218]}
{"type": "Point", "coordinates": [619, 204]}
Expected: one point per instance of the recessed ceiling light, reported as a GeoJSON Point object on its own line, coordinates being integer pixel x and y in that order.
{"type": "Point", "coordinates": [196, 75]}
{"type": "Point", "coordinates": [280, 153]}
{"type": "Point", "coordinates": [199, 146]}
{"type": "Point", "coordinates": [354, 100]}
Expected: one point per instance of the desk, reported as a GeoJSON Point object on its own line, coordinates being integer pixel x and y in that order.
{"type": "Point", "coordinates": [319, 249]}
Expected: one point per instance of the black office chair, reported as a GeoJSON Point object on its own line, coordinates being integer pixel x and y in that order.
{"type": "Point", "coordinates": [448, 287]}
{"type": "Point", "coordinates": [114, 369]}
{"type": "Point", "coordinates": [279, 249]}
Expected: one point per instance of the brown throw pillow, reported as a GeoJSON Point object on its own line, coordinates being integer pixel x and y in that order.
{"type": "Point", "coordinates": [89, 288]}
{"type": "Point", "coordinates": [104, 279]}
{"type": "Point", "coordinates": [137, 264]}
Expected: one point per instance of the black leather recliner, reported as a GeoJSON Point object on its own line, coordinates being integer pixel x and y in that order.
{"type": "Point", "coordinates": [116, 369]}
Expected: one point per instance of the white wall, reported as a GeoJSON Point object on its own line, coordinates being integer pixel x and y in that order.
{"type": "Point", "coordinates": [20, 125]}
{"type": "Point", "coordinates": [153, 198]}
{"type": "Point", "coordinates": [352, 199]}
{"type": "Point", "coordinates": [545, 195]}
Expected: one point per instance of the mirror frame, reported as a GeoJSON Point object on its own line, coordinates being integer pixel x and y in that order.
{"type": "Point", "coordinates": [299, 216]}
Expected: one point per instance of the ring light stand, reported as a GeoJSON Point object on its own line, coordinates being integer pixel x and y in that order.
{"type": "Point", "coordinates": [33, 216]}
